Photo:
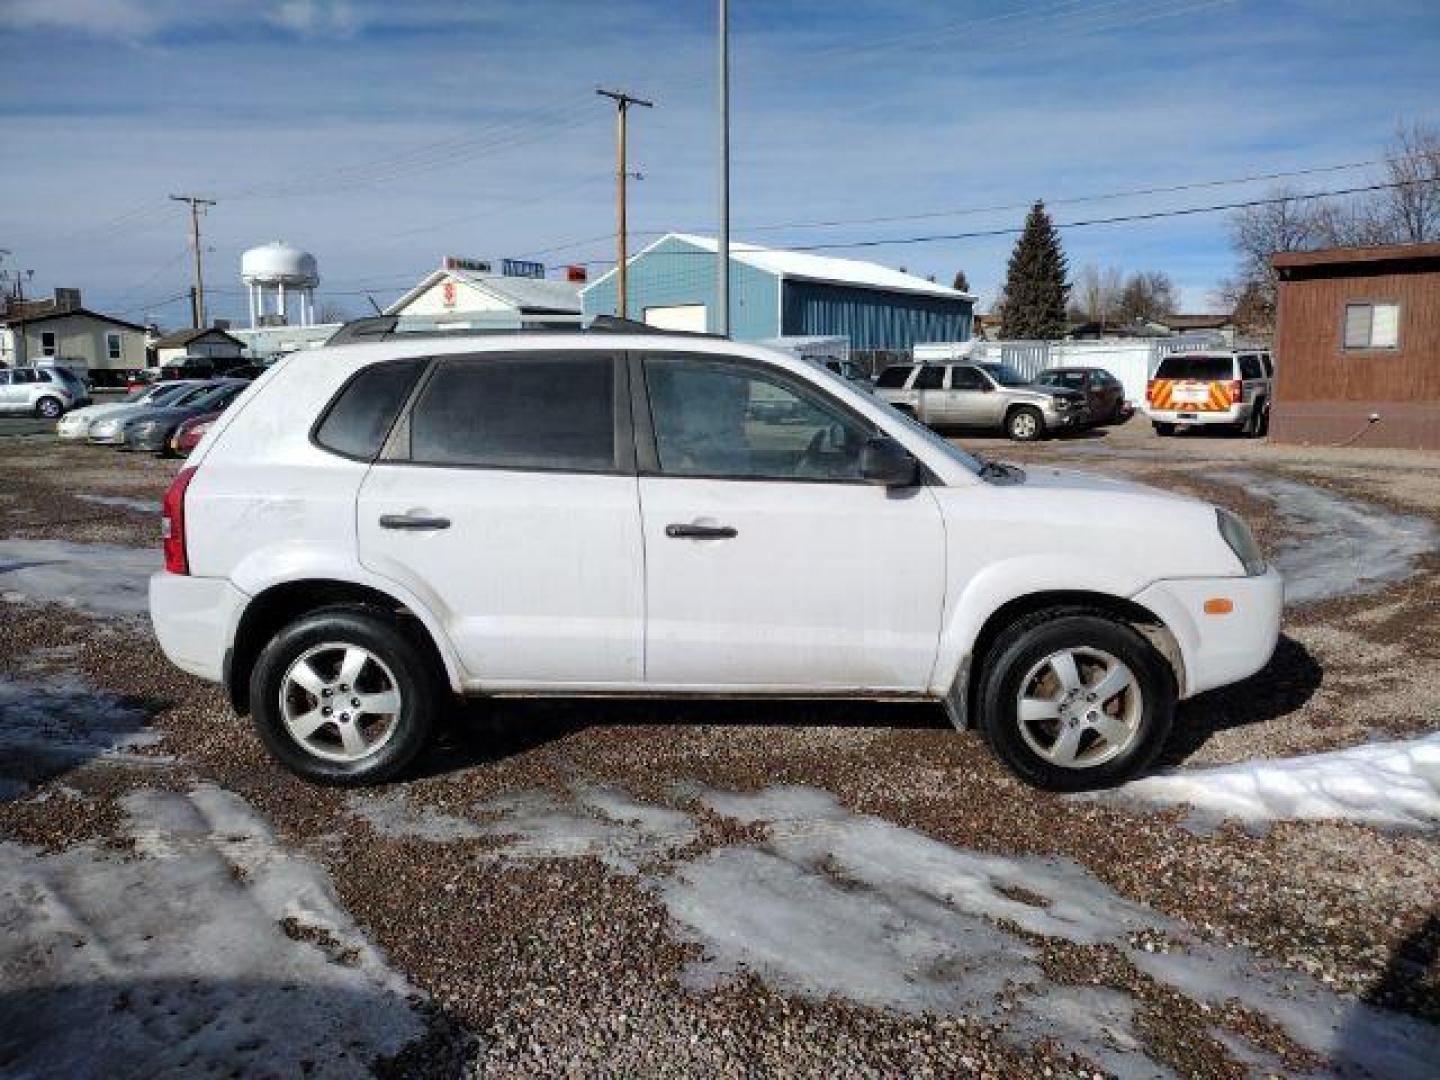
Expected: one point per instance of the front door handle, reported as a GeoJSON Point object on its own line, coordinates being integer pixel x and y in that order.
{"type": "Point", "coordinates": [701, 532]}
{"type": "Point", "coordinates": [413, 522]}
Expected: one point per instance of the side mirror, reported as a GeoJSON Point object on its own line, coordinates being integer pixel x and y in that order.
{"type": "Point", "coordinates": [886, 463]}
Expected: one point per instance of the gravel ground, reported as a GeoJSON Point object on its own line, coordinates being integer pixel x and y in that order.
{"type": "Point", "coordinates": [540, 887]}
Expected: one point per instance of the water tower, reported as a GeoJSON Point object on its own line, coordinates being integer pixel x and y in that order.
{"type": "Point", "coordinates": [272, 273]}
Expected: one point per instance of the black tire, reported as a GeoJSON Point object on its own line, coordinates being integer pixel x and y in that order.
{"type": "Point", "coordinates": [1163, 430]}
{"type": "Point", "coordinates": [1027, 644]}
{"type": "Point", "coordinates": [414, 676]}
{"type": "Point", "coordinates": [1024, 423]}
{"type": "Point", "coordinates": [1261, 427]}
{"type": "Point", "coordinates": [49, 408]}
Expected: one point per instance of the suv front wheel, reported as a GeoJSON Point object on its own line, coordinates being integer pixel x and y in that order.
{"type": "Point", "coordinates": [342, 696]}
{"type": "Point", "coordinates": [1025, 424]}
{"type": "Point", "coordinates": [1072, 700]}
{"type": "Point", "coordinates": [49, 407]}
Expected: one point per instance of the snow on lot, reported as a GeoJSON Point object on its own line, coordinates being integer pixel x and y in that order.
{"type": "Point", "coordinates": [835, 904]}
{"type": "Point", "coordinates": [1344, 546]}
{"type": "Point", "coordinates": [101, 579]}
{"type": "Point", "coordinates": [204, 949]}
{"type": "Point", "coordinates": [49, 726]}
{"type": "Point", "coordinates": [1382, 783]}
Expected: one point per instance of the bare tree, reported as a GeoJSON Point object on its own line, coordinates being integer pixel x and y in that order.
{"type": "Point", "coordinates": [1411, 209]}
{"type": "Point", "coordinates": [1286, 222]}
{"type": "Point", "coordinates": [1096, 292]}
{"type": "Point", "coordinates": [1148, 294]}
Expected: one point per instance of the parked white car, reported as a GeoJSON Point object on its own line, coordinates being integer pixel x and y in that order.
{"type": "Point", "coordinates": [376, 524]}
{"type": "Point", "coordinates": [74, 426]}
{"type": "Point", "coordinates": [36, 391]}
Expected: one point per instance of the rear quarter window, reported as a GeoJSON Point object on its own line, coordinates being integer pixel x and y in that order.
{"type": "Point", "coordinates": [361, 414]}
{"type": "Point", "coordinates": [1199, 368]}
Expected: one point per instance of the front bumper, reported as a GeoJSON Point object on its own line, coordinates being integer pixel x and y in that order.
{"type": "Point", "coordinates": [158, 439]}
{"type": "Point", "coordinates": [1219, 649]}
{"type": "Point", "coordinates": [73, 433]}
{"type": "Point", "coordinates": [107, 438]}
{"type": "Point", "coordinates": [1065, 419]}
{"type": "Point", "coordinates": [195, 619]}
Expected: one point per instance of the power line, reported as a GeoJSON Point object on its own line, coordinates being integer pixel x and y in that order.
{"type": "Point", "coordinates": [1184, 211]}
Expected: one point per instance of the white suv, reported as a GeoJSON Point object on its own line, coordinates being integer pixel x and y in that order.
{"type": "Point", "coordinates": [374, 524]}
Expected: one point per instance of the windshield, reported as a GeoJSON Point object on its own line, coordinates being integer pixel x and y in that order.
{"type": "Point", "coordinates": [1005, 375]}
{"type": "Point", "coordinates": [894, 377]}
{"type": "Point", "coordinates": [945, 446]}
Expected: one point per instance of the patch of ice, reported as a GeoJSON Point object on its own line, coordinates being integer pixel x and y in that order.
{"type": "Point", "coordinates": [103, 579]}
{"type": "Point", "coordinates": [835, 904]}
{"type": "Point", "coordinates": [174, 960]}
{"type": "Point", "coordinates": [1346, 546]}
{"type": "Point", "coordinates": [393, 815]}
{"type": "Point", "coordinates": [1382, 783]}
{"type": "Point", "coordinates": [609, 825]}
{"type": "Point", "coordinates": [48, 727]}
{"type": "Point", "coordinates": [125, 502]}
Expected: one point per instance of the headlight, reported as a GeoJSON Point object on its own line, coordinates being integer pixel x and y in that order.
{"type": "Point", "coordinates": [1241, 540]}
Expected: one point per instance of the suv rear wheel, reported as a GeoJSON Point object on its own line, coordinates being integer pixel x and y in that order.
{"type": "Point", "coordinates": [1163, 429]}
{"type": "Point", "coordinates": [1074, 700]}
{"type": "Point", "coordinates": [49, 407]}
{"type": "Point", "coordinates": [1025, 424]}
{"type": "Point", "coordinates": [342, 696]}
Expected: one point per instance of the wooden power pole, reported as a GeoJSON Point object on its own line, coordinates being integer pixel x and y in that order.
{"type": "Point", "coordinates": [623, 101]}
{"type": "Point", "coordinates": [196, 203]}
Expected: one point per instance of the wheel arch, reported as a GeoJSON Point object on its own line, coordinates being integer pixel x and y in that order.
{"type": "Point", "coordinates": [961, 684]}
{"type": "Point", "coordinates": [281, 604]}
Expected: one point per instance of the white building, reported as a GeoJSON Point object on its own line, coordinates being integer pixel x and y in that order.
{"type": "Point", "coordinates": [466, 292]}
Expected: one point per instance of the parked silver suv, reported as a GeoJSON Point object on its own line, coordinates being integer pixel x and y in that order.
{"type": "Point", "coordinates": [38, 391]}
{"type": "Point", "coordinates": [981, 395]}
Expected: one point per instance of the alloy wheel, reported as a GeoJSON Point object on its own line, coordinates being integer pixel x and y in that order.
{"type": "Point", "coordinates": [1079, 708]}
{"type": "Point", "coordinates": [340, 702]}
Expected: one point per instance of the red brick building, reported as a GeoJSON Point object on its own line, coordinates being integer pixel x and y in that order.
{"type": "Point", "coordinates": [1358, 335]}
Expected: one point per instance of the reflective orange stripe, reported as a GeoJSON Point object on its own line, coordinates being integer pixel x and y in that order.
{"type": "Point", "coordinates": [1162, 396]}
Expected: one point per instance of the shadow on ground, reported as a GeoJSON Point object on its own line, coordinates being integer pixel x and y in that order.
{"type": "Point", "coordinates": [1278, 689]}
{"type": "Point", "coordinates": [482, 732]}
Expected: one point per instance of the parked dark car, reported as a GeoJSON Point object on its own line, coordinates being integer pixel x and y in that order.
{"type": "Point", "coordinates": [246, 371]}
{"type": "Point", "coordinates": [151, 429]}
{"type": "Point", "coordinates": [1104, 393]}
{"type": "Point", "coordinates": [188, 435]}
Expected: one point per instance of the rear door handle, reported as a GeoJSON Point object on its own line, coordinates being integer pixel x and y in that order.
{"type": "Point", "coordinates": [413, 522]}
{"type": "Point", "coordinates": [701, 532]}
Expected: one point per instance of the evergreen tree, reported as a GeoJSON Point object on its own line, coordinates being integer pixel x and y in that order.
{"type": "Point", "coordinates": [1035, 287]}
{"type": "Point", "coordinates": [962, 283]}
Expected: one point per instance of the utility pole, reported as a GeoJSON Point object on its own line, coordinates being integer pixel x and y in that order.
{"type": "Point", "coordinates": [195, 204]}
{"type": "Point", "coordinates": [623, 101]}
{"type": "Point", "coordinates": [722, 249]}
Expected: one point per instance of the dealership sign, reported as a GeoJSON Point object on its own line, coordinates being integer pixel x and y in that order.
{"type": "Point", "coordinates": [508, 267]}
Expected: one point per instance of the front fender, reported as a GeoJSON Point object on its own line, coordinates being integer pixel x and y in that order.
{"type": "Point", "coordinates": [1008, 580]}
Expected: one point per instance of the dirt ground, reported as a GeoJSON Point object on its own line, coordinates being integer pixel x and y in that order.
{"type": "Point", "coordinates": [726, 888]}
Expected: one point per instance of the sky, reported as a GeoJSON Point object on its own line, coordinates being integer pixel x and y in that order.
{"type": "Point", "coordinates": [382, 136]}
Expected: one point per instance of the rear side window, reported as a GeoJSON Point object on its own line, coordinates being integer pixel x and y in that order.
{"type": "Point", "coordinates": [1250, 367]}
{"type": "Point", "coordinates": [359, 418]}
{"type": "Point", "coordinates": [1201, 368]}
{"type": "Point", "coordinates": [932, 377]}
{"type": "Point", "coordinates": [893, 378]}
{"type": "Point", "coordinates": [541, 411]}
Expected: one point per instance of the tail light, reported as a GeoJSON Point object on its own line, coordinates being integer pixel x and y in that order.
{"type": "Point", "coordinates": [172, 522]}
{"type": "Point", "coordinates": [1149, 392]}
{"type": "Point", "coordinates": [1237, 391]}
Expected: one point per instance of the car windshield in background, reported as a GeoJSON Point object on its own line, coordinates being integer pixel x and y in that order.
{"type": "Point", "coordinates": [1073, 379]}
{"type": "Point", "coordinates": [1203, 368]}
{"type": "Point", "coordinates": [1005, 375]}
{"type": "Point", "coordinates": [894, 377]}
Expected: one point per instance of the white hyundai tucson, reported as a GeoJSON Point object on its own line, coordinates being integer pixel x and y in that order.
{"type": "Point", "coordinates": [397, 515]}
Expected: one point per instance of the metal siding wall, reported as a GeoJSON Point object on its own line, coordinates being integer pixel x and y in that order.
{"type": "Point", "coordinates": [873, 318]}
{"type": "Point", "coordinates": [675, 272]}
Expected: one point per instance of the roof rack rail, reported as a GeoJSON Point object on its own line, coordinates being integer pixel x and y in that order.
{"type": "Point", "coordinates": [375, 328]}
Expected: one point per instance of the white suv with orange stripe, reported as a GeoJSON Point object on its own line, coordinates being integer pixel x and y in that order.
{"type": "Point", "coordinates": [1228, 388]}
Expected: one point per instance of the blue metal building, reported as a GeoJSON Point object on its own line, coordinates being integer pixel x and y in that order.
{"type": "Point", "coordinates": [776, 293]}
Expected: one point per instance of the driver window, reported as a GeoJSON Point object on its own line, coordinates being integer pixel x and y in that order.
{"type": "Point", "coordinates": [728, 420]}
{"type": "Point", "coordinates": [966, 378]}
